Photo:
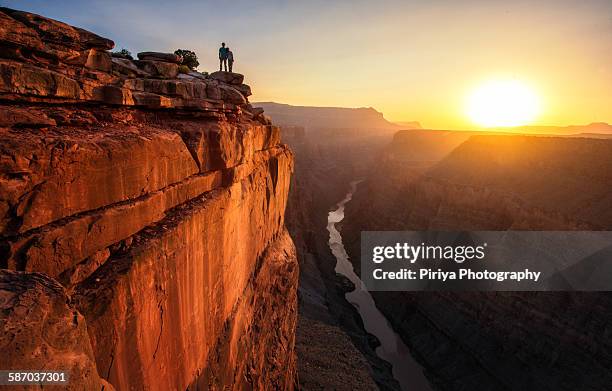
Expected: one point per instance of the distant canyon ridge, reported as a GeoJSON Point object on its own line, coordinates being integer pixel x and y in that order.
{"type": "Point", "coordinates": [370, 118]}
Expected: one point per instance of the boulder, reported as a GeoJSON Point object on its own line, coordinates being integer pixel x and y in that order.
{"type": "Point", "coordinates": [228, 77]}
{"type": "Point", "coordinates": [232, 95]}
{"type": "Point", "coordinates": [160, 69]}
{"type": "Point", "coordinates": [126, 67]}
{"type": "Point", "coordinates": [244, 90]}
{"type": "Point", "coordinates": [156, 56]}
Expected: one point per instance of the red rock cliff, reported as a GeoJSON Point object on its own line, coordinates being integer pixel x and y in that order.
{"type": "Point", "coordinates": [141, 210]}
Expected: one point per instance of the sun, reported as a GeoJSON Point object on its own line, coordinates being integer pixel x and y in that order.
{"type": "Point", "coordinates": [503, 103]}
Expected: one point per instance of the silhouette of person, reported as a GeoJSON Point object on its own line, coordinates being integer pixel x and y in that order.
{"type": "Point", "coordinates": [230, 59]}
{"type": "Point", "coordinates": [223, 57]}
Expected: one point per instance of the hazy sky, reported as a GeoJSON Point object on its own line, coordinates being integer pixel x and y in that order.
{"type": "Point", "coordinates": [412, 60]}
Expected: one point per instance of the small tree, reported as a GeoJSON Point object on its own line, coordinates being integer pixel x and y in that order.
{"type": "Point", "coordinates": [189, 58]}
{"type": "Point", "coordinates": [124, 53]}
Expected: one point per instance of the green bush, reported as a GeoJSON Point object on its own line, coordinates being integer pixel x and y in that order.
{"type": "Point", "coordinates": [123, 53]}
{"type": "Point", "coordinates": [184, 69]}
{"type": "Point", "coordinates": [190, 59]}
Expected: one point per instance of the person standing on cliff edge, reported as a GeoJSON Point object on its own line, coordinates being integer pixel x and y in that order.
{"type": "Point", "coordinates": [223, 51]}
{"type": "Point", "coordinates": [230, 59]}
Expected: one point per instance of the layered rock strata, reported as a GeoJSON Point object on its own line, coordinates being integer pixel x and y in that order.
{"type": "Point", "coordinates": [151, 204]}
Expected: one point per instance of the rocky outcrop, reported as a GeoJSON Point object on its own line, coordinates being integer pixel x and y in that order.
{"type": "Point", "coordinates": [48, 61]}
{"type": "Point", "coordinates": [228, 77]}
{"type": "Point", "coordinates": [151, 205]}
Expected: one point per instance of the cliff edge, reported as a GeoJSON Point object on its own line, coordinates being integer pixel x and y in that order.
{"type": "Point", "coordinates": [141, 219]}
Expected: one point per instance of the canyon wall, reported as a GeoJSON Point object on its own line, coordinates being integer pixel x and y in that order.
{"type": "Point", "coordinates": [334, 351]}
{"type": "Point", "coordinates": [141, 219]}
{"type": "Point", "coordinates": [494, 340]}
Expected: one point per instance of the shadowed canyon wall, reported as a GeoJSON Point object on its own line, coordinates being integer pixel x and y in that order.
{"type": "Point", "coordinates": [142, 219]}
{"type": "Point", "coordinates": [494, 340]}
{"type": "Point", "coordinates": [334, 351]}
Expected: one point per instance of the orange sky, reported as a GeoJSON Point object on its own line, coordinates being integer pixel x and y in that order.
{"type": "Point", "coordinates": [412, 60]}
{"type": "Point", "coordinates": [421, 63]}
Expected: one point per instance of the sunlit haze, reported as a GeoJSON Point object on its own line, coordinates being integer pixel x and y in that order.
{"type": "Point", "coordinates": [503, 103]}
{"type": "Point", "coordinates": [412, 60]}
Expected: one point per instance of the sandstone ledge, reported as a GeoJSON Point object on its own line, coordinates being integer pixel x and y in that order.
{"type": "Point", "coordinates": [48, 61]}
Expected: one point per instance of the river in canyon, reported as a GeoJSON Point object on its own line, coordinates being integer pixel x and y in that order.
{"type": "Point", "coordinates": [392, 349]}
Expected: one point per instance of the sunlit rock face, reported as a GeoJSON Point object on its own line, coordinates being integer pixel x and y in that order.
{"type": "Point", "coordinates": [435, 180]}
{"type": "Point", "coordinates": [41, 330]}
{"type": "Point", "coordinates": [154, 204]}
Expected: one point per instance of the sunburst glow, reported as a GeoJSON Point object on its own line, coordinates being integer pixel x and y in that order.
{"type": "Point", "coordinates": [503, 103]}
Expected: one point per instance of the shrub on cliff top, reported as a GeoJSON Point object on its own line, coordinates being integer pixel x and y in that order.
{"type": "Point", "coordinates": [123, 53]}
{"type": "Point", "coordinates": [189, 58]}
{"type": "Point", "coordinates": [184, 69]}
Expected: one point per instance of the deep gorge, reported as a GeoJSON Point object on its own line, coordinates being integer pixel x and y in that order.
{"type": "Point", "coordinates": [439, 180]}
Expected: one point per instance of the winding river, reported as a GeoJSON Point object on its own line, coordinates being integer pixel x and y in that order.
{"type": "Point", "coordinates": [392, 349]}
